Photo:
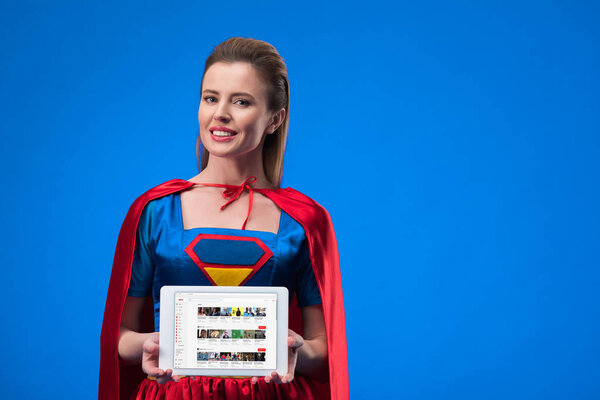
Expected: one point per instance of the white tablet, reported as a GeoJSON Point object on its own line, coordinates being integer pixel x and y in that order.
{"type": "Point", "coordinates": [223, 330]}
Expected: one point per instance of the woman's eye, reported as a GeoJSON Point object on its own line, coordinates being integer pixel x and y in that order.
{"type": "Point", "coordinates": [242, 102]}
{"type": "Point", "coordinates": [210, 99]}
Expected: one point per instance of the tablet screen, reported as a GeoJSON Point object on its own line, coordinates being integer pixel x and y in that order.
{"type": "Point", "coordinates": [225, 330]}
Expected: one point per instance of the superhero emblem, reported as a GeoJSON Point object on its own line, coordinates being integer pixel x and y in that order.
{"type": "Point", "coordinates": [228, 260]}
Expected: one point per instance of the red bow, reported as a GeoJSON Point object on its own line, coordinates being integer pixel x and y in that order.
{"type": "Point", "coordinates": [235, 192]}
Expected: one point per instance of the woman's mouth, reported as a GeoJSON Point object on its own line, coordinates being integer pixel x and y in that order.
{"type": "Point", "coordinates": [222, 134]}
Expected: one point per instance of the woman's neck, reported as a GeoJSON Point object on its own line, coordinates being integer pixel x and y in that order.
{"type": "Point", "coordinates": [230, 171]}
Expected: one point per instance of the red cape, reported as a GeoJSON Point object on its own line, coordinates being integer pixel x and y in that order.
{"type": "Point", "coordinates": [119, 380]}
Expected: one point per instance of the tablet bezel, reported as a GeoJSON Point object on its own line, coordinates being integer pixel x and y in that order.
{"type": "Point", "coordinates": [167, 328]}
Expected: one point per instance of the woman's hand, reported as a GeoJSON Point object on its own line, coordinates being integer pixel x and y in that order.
{"type": "Point", "coordinates": [295, 341]}
{"type": "Point", "coordinates": [150, 359]}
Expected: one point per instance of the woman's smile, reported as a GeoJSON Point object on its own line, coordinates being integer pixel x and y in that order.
{"type": "Point", "coordinates": [220, 136]}
{"type": "Point", "coordinates": [222, 133]}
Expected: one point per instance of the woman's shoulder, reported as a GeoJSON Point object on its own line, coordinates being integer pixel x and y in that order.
{"type": "Point", "coordinates": [159, 196]}
{"type": "Point", "coordinates": [169, 187]}
{"type": "Point", "coordinates": [305, 201]}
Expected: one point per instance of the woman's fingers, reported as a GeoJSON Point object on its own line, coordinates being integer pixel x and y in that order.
{"type": "Point", "coordinates": [151, 348]}
{"type": "Point", "coordinates": [150, 345]}
{"type": "Point", "coordinates": [270, 378]}
{"type": "Point", "coordinates": [274, 377]}
{"type": "Point", "coordinates": [166, 377]}
{"type": "Point", "coordinates": [287, 378]}
{"type": "Point", "coordinates": [291, 368]}
{"type": "Point", "coordinates": [295, 341]}
{"type": "Point", "coordinates": [155, 372]}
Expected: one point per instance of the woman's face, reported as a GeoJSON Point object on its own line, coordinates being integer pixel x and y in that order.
{"type": "Point", "coordinates": [234, 101]}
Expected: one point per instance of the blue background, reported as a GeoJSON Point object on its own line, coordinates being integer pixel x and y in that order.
{"type": "Point", "coordinates": [455, 144]}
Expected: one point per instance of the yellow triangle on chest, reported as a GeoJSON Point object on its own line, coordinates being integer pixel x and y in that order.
{"type": "Point", "coordinates": [228, 276]}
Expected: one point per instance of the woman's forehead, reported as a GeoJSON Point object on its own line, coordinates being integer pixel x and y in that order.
{"type": "Point", "coordinates": [233, 77]}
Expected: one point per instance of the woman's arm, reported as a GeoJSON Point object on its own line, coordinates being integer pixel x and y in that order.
{"type": "Point", "coordinates": [130, 340]}
{"type": "Point", "coordinates": [312, 355]}
{"type": "Point", "coordinates": [136, 347]}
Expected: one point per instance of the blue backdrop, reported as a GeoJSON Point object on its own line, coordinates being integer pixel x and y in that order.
{"type": "Point", "coordinates": [455, 144]}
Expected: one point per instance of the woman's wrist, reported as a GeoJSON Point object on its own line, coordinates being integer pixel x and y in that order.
{"type": "Point", "coordinates": [131, 345]}
{"type": "Point", "coordinates": [312, 358]}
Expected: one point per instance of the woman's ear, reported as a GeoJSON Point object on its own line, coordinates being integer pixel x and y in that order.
{"type": "Point", "coordinates": [276, 121]}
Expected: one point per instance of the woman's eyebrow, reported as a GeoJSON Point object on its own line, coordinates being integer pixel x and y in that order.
{"type": "Point", "coordinates": [233, 94]}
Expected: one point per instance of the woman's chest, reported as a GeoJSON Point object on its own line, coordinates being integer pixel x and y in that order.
{"type": "Point", "coordinates": [198, 210]}
{"type": "Point", "coordinates": [224, 257]}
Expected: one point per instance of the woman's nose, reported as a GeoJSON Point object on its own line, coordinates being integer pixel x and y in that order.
{"type": "Point", "coordinates": [221, 114]}
{"type": "Point", "coordinates": [221, 118]}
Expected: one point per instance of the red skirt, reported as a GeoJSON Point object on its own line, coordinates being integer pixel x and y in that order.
{"type": "Point", "coordinates": [205, 387]}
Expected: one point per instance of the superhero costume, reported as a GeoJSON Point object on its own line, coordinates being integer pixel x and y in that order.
{"type": "Point", "coordinates": [168, 254]}
{"type": "Point", "coordinates": [118, 379]}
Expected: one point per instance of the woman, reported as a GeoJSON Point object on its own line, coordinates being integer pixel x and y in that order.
{"type": "Point", "coordinates": [243, 120]}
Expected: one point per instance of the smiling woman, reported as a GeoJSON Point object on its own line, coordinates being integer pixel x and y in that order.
{"type": "Point", "coordinates": [234, 110]}
{"type": "Point", "coordinates": [267, 78]}
{"type": "Point", "coordinates": [243, 123]}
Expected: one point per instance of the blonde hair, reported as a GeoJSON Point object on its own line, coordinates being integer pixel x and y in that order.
{"type": "Point", "coordinates": [271, 67]}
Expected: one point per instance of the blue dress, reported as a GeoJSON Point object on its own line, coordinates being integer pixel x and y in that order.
{"type": "Point", "coordinates": [168, 254]}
